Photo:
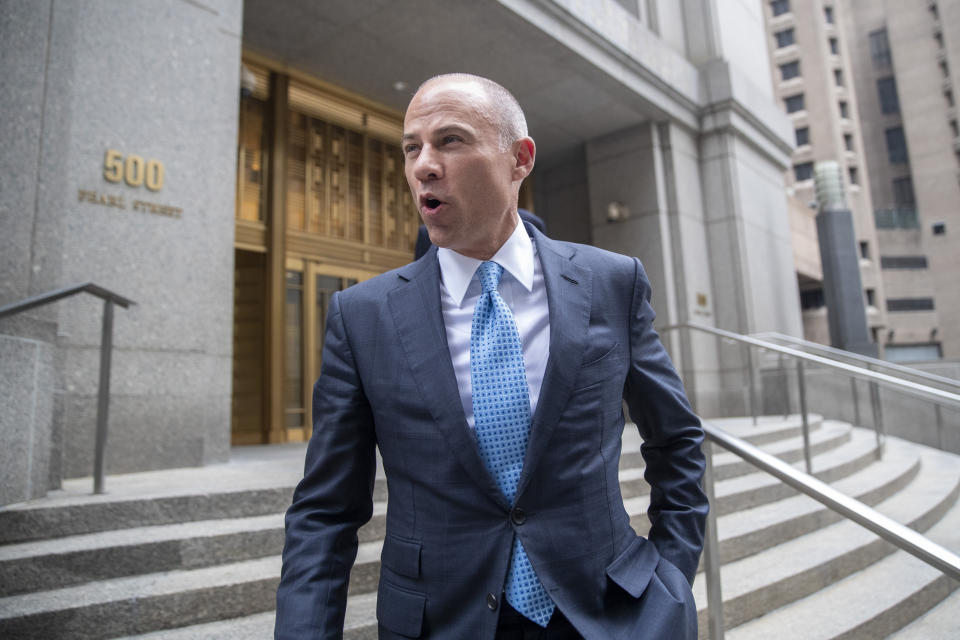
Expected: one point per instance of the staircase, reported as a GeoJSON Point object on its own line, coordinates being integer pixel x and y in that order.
{"type": "Point", "coordinates": [194, 553]}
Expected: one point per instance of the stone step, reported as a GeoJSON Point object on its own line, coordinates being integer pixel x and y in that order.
{"type": "Point", "coordinates": [760, 488]}
{"type": "Point", "coordinates": [126, 606]}
{"type": "Point", "coordinates": [769, 429]}
{"type": "Point", "coordinates": [939, 623]}
{"type": "Point", "coordinates": [778, 576]}
{"type": "Point", "coordinates": [789, 449]}
{"type": "Point", "coordinates": [361, 610]}
{"type": "Point", "coordinates": [748, 531]}
{"type": "Point", "coordinates": [364, 627]}
{"type": "Point", "coordinates": [44, 564]}
{"type": "Point", "coordinates": [875, 602]}
{"type": "Point", "coordinates": [831, 435]}
{"type": "Point", "coordinates": [164, 498]}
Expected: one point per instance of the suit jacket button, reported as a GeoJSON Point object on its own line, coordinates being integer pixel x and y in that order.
{"type": "Point", "coordinates": [492, 602]}
{"type": "Point", "coordinates": [518, 516]}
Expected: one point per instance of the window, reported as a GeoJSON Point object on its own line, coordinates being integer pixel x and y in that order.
{"type": "Point", "coordinates": [938, 36]}
{"type": "Point", "coordinates": [913, 352]}
{"type": "Point", "coordinates": [812, 299]}
{"type": "Point", "coordinates": [903, 262]}
{"type": "Point", "coordinates": [834, 46]}
{"type": "Point", "coordinates": [844, 109]}
{"type": "Point", "coordinates": [954, 128]}
{"type": "Point", "coordinates": [896, 145]}
{"type": "Point", "coordinates": [948, 96]}
{"type": "Point", "coordinates": [934, 11]}
{"type": "Point", "coordinates": [864, 249]}
{"type": "Point", "coordinates": [903, 192]}
{"type": "Point", "coordinates": [854, 175]}
{"type": "Point", "coordinates": [803, 136]}
{"type": "Point", "coordinates": [803, 171]}
{"type": "Point", "coordinates": [909, 304]}
{"type": "Point", "coordinates": [939, 228]}
{"type": "Point", "coordinates": [828, 14]}
{"type": "Point", "coordinates": [896, 218]}
{"type": "Point", "coordinates": [871, 297]}
{"type": "Point", "coordinates": [790, 70]}
{"type": "Point", "coordinates": [780, 7]}
{"type": "Point", "coordinates": [848, 141]}
{"type": "Point", "coordinates": [880, 49]}
{"type": "Point", "coordinates": [838, 77]}
{"type": "Point", "coordinates": [887, 92]}
{"type": "Point", "coordinates": [944, 69]}
{"type": "Point", "coordinates": [784, 38]}
{"type": "Point", "coordinates": [794, 103]}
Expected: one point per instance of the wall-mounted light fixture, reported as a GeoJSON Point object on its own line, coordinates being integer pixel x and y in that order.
{"type": "Point", "coordinates": [617, 212]}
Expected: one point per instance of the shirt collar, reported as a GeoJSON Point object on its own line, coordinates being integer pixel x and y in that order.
{"type": "Point", "coordinates": [515, 256]}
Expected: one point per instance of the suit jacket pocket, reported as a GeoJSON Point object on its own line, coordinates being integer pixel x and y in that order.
{"type": "Point", "coordinates": [401, 556]}
{"type": "Point", "coordinates": [400, 610]}
{"type": "Point", "coordinates": [599, 368]}
{"type": "Point", "coordinates": [634, 567]}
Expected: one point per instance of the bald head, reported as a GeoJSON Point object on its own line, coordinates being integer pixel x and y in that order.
{"type": "Point", "coordinates": [500, 108]}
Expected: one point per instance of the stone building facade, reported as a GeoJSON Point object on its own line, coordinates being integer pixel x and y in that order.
{"type": "Point", "coordinates": [228, 165]}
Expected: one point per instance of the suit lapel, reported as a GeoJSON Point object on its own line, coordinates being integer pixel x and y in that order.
{"type": "Point", "coordinates": [569, 291]}
{"type": "Point", "coordinates": [418, 316]}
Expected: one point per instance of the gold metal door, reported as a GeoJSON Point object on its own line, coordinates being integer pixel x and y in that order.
{"type": "Point", "coordinates": [310, 287]}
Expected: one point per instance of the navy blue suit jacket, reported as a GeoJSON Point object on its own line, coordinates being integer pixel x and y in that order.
{"type": "Point", "coordinates": [387, 381]}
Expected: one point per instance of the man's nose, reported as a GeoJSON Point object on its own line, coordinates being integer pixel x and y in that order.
{"type": "Point", "coordinates": [427, 165]}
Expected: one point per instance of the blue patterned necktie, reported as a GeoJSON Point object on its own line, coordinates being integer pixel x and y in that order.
{"type": "Point", "coordinates": [501, 412]}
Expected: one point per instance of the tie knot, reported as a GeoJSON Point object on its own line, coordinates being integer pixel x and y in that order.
{"type": "Point", "coordinates": [489, 274]}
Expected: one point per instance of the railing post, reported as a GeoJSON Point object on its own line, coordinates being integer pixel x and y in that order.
{"type": "Point", "coordinates": [802, 387]}
{"type": "Point", "coordinates": [877, 409]}
{"type": "Point", "coordinates": [939, 414]}
{"type": "Point", "coordinates": [103, 396]}
{"type": "Point", "coordinates": [753, 386]}
{"type": "Point", "coordinates": [856, 402]}
{"type": "Point", "coordinates": [711, 552]}
{"type": "Point", "coordinates": [786, 384]}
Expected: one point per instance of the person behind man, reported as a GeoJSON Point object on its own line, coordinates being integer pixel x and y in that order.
{"type": "Point", "coordinates": [490, 374]}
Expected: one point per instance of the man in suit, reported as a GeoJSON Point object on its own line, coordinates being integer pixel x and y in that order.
{"type": "Point", "coordinates": [490, 374]}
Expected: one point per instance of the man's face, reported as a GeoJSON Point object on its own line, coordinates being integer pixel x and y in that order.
{"type": "Point", "coordinates": [464, 185]}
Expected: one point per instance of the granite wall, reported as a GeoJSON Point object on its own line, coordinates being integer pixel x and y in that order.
{"type": "Point", "coordinates": [121, 171]}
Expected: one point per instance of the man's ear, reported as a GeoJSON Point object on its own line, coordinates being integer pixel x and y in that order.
{"type": "Point", "coordinates": [524, 154]}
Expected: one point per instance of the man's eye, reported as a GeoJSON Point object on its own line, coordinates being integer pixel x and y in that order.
{"type": "Point", "coordinates": [451, 139]}
{"type": "Point", "coordinates": [410, 148]}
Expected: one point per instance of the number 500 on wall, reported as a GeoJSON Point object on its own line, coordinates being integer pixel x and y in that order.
{"type": "Point", "coordinates": [133, 170]}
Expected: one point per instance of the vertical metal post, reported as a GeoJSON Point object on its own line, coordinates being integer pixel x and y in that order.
{"type": "Point", "coordinates": [786, 384]}
{"type": "Point", "coordinates": [753, 386]}
{"type": "Point", "coordinates": [802, 387]}
{"type": "Point", "coordinates": [711, 552]}
{"type": "Point", "coordinates": [877, 408]}
{"type": "Point", "coordinates": [939, 413]}
{"type": "Point", "coordinates": [856, 403]}
{"type": "Point", "coordinates": [103, 396]}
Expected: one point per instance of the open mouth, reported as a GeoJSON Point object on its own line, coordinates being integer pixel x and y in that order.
{"type": "Point", "coordinates": [430, 203]}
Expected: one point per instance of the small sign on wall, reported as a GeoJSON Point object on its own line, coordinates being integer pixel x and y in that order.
{"type": "Point", "coordinates": [136, 172]}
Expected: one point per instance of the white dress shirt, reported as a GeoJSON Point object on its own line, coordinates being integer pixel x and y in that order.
{"type": "Point", "coordinates": [521, 287]}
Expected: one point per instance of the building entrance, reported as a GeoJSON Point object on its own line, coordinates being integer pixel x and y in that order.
{"type": "Point", "coordinates": [322, 204]}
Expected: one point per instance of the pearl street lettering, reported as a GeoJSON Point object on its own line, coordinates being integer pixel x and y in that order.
{"type": "Point", "coordinates": [159, 209]}
{"type": "Point", "coordinates": [118, 202]}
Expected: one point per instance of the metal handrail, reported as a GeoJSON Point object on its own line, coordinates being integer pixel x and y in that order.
{"type": "Point", "coordinates": [854, 371]}
{"type": "Point", "coordinates": [65, 292]}
{"type": "Point", "coordinates": [106, 348]}
{"type": "Point", "coordinates": [890, 530]}
{"type": "Point", "coordinates": [856, 357]}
